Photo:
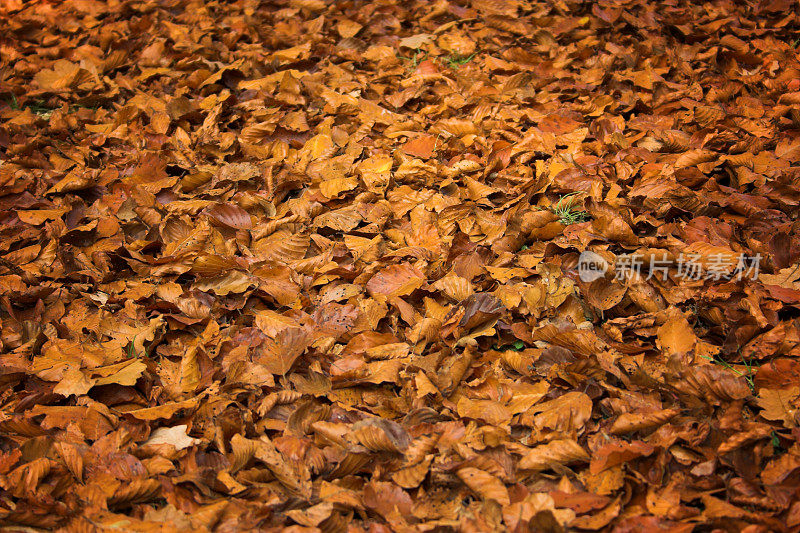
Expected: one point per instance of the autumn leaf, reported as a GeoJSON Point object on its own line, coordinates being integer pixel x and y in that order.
{"type": "Point", "coordinates": [175, 437]}
{"type": "Point", "coordinates": [561, 452]}
{"type": "Point", "coordinates": [280, 354]}
{"type": "Point", "coordinates": [780, 404]}
{"type": "Point", "coordinates": [74, 382]}
{"type": "Point", "coordinates": [484, 484]}
{"type": "Point", "coordinates": [567, 413]}
{"type": "Point", "coordinates": [421, 146]}
{"type": "Point", "coordinates": [614, 454]}
{"type": "Point", "coordinates": [231, 215]}
{"type": "Point", "coordinates": [381, 435]}
{"type": "Point", "coordinates": [675, 336]}
{"type": "Point", "coordinates": [396, 280]}
{"type": "Point", "coordinates": [631, 422]}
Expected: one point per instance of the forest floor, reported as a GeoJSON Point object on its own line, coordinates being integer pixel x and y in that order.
{"type": "Point", "coordinates": [399, 266]}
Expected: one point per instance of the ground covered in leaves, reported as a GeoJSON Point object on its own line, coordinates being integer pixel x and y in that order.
{"type": "Point", "coordinates": [314, 265]}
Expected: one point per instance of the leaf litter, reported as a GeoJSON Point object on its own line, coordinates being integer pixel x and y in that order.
{"type": "Point", "coordinates": [314, 266]}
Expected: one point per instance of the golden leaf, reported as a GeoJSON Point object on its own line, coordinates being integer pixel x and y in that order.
{"type": "Point", "coordinates": [555, 452]}
{"type": "Point", "coordinates": [294, 479]}
{"type": "Point", "coordinates": [488, 410]}
{"type": "Point", "coordinates": [348, 28]}
{"type": "Point", "coordinates": [631, 422]}
{"type": "Point", "coordinates": [455, 287]}
{"type": "Point", "coordinates": [675, 336]}
{"type": "Point", "coordinates": [780, 404]}
{"type": "Point", "coordinates": [72, 457]}
{"type": "Point", "coordinates": [411, 476]}
{"type": "Point", "coordinates": [484, 484]}
{"type": "Point", "coordinates": [312, 516]}
{"type": "Point", "coordinates": [280, 354]}
{"type": "Point", "coordinates": [242, 450]}
{"type": "Point", "coordinates": [334, 187]}
{"type": "Point", "coordinates": [136, 491]}
{"type": "Point", "coordinates": [74, 382]}
{"type": "Point", "coordinates": [567, 413]}
{"type": "Point", "coordinates": [234, 281]}
{"type": "Point", "coordinates": [396, 280]}
{"type": "Point", "coordinates": [692, 158]}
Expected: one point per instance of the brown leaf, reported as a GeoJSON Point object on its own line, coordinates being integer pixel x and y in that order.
{"type": "Point", "coordinates": [484, 484]}
{"type": "Point", "coordinates": [632, 422]}
{"type": "Point", "coordinates": [780, 404]}
{"type": "Point", "coordinates": [410, 477]}
{"type": "Point", "coordinates": [675, 336]}
{"type": "Point", "coordinates": [231, 215]}
{"type": "Point", "coordinates": [614, 454]}
{"type": "Point", "coordinates": [421, 146]}
{"type": "Point", "coordinates": [489, 411]}
{"type": "Point", "coordinates": [378, 434]}
{"type": "Point", "coordinates": [74, 382]}
{"type": "Point", "coordinates": [280, 354]}
{"type": "Point", "coordinates": [562, 452]}
{"type": "Point", "coordinates": [713, 383]}
{"type": "Point", "coordinates": [567, 413]}
{"type": "Point", "coordinates": [293, 479]}
{"type": "Point", "coordinates": [137, 491]}
{"type": "Point", "coordinates": [396, 280]}
{"type": "Point", "coordinates": [387, 499]}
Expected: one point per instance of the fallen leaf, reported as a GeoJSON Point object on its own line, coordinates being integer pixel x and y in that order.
{"type": "Point", "coordinates": [175, 436]}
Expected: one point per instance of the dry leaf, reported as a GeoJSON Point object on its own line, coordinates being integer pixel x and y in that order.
{"type": "Point", "coordinates": [484, 484]}
{"type": "Point", "coordinates": [562, 452]}
{"type": "Point", "coordinates": [175, 436]}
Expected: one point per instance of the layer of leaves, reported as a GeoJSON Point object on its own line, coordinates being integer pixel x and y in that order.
{"type": "Point", "coordinates": [313, 263]}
